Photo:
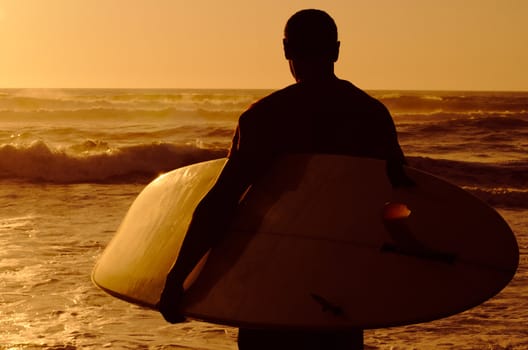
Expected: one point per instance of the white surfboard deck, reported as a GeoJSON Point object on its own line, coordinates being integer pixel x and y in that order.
{"type": "Point", "coordinates": [309, 248]}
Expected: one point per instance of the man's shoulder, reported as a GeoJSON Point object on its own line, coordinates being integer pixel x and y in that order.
{"type": "Point", "coordinates": [363, 99]}
{"type": "Point", "coordinates": [277, 97]}
{"type": "Point", "coordinates": [352, 90]}
{"type": "Point", "coordinates": [273, 102]}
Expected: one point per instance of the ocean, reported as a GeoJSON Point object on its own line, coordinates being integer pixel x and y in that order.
{"type": "Point", "coordinates": [73, 160]}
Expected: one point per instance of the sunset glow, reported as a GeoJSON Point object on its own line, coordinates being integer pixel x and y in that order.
{"type": "Point", "coordinates": [411, 44]}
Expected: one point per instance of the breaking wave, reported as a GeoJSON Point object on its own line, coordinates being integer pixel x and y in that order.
{"type": "Point", "coordinates": [97, 162]}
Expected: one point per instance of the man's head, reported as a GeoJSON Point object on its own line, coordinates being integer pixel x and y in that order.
{"type": "Point", "coordinates": [311, 35]}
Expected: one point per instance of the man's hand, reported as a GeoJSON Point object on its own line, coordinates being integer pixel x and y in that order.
{"type": "Point", "coordinates": [397, 175]}
{"type": "Point", "coordinates": [170, 302]}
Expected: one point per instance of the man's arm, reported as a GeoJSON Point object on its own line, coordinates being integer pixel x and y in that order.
{"type": "Point", "coordinates": [211, 217]}
{"type": "Point", "coordinates": [395, 159]}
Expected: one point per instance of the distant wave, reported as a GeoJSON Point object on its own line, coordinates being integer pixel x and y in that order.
{"type": "Point", "coordinates": [513, 174]}
{"type": "Point", "coordinates": [114, 114]}
{"type": "Point", "coordinates": [498, 118]}
{"type": "Point", "coordinates": [491, 130]}
{"type": "Point", "coordinates": [401, 102]}
{"type": "Point", "coordinates": [96, 162]}
{"type": "Point", "coordinates": [235, 101]}
{"type": "Point", "coordinates": [79, 100]}
{"type": "Point", "coordinates": [499, 184]}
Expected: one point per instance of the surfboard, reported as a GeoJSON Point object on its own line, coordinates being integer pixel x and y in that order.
{"type": "Point", "coordinates": [320, 242]}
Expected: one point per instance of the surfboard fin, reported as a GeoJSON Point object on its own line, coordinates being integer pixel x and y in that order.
{"type": "Point", "coordinates": [448, 258]}
{"type": "Point", "coordinates": [327, 306]}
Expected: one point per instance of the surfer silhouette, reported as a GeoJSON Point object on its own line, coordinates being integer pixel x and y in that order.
{"type": "Point", "coordinates": [320, 113]}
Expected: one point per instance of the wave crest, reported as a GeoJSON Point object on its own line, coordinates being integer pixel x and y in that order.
{"type": "Point", "coordinates": [95, 161]}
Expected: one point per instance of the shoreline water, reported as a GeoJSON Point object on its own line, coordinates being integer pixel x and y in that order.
{"type": "Point", "coordinates": [52, 304]}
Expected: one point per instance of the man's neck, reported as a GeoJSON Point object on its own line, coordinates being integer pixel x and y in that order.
{"type": "Point", "coordinates": [307, 71]}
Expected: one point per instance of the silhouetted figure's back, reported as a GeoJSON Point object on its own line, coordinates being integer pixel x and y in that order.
{"type": "Point", "coordinates": [318, 114]}
{"type": "Point", "coordinates": [331, 116]}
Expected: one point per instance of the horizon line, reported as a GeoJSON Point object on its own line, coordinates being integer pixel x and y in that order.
{"type": "Point", "coordinates": [260, 89]}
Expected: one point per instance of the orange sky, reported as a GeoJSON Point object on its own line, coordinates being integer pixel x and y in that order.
{"type": "Point", "coordinates": [386, 44]}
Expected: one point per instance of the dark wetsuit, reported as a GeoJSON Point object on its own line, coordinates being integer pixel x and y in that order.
{"type": "Point", "coordinates": [332, 117]}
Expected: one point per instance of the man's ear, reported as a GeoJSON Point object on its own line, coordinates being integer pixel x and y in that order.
{"type": "Point", "coordinates": [335, 53]}
{"type": "Point", "coordinates": [287, 49]}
